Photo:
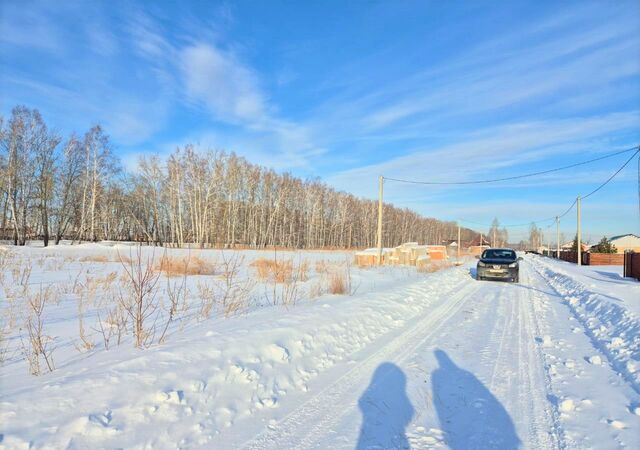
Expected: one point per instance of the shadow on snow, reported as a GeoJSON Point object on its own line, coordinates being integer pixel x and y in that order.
{"type": "Point", "coordinates": [386, 410]}
{"type": "Point", "coordinates": [469, 414]}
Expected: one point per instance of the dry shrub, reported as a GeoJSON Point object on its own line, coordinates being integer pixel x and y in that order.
{"type": "Point", "coordinates": [6, 258]}
{"type": "Point", "coordinates": [115, 324]}
{"type": "Point", "coordinates": [231, 294]}
{"type": "Point", "coordinates": [337, 283]}
{"type": "Point", "coordinates": [177, 295]}
{"type": "Point", "coordinates": [340, 281]}
{"type": "Point", "coordinates": [173, 267]}
{"type": "Point", "coordinates": [94, 258]}
{"type": "Point", "coordinates": [431, 267]}
{"type": "Point", "coordinates": [124, 259]}
{"type": "Point", "coordinates": [21, 273]}
{"type": "Point", "coordinates": [4, 344]}
{"type": "Point", "coordinates": [138, 297]}
{"type": "Point", "coordinates": [86, 344]}
{"type": "Point", "coordinates": [277, 271]}
{"type": "Point", "coordinates": [207, 296]}
{"type": "Point", "coordinates": [39, 345]}
{"type": "Point", "coordinates": [322, 266]}
{"type": "Point", "coordinates": [55, 264]}
{"type": "Point", "coordinates": [317, 288]}
{"type": "Point", "coordinates": [235, 294]}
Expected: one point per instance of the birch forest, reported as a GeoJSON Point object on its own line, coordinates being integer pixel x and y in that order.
{"type": "Point", "coordinates": [57, 188]}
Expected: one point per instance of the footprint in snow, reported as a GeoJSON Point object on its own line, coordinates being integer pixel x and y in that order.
{"type": "Point", "coordinates": [103, 419]}
{"type": "Point", "coordinates": [617, 424]}
{"type": "Point", "coordinates": [596, 360]}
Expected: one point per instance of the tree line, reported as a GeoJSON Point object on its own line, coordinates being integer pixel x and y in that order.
{"type": "Point", "coordinates": [75, 188]}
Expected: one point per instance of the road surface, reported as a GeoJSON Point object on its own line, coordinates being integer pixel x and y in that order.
{"type": "Point", "coordinates": [486, 367]}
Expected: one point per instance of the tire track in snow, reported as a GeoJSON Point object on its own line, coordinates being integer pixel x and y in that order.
{"type": "Point", "coordinates": [518, 376]}
{"type": "Point", "coordinates": [515, 373]}
{"type": "Point", "coordinates": [546, 433]}
{"type": "Point", "coordinates": [306, 426]}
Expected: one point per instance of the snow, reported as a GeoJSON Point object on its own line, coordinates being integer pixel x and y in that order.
{"type": "Point", "coordinates": [436, 360]}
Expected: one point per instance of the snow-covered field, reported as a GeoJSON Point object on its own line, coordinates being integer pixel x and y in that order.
{"type": "Point", "coordinates": [408, 360]}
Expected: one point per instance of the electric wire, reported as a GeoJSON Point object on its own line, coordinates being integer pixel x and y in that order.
{"type": "Point", "coordinates": [516, 177]}
{"type": "Point", "coordinates": [612, 176]}
{"type": "Point", "coordinates": [637, 151]}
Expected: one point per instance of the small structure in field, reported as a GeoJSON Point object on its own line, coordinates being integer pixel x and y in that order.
{"type": "Point", "coordinates": [369, 257]}
{"type": "Point", "coordinates": [407, 254]}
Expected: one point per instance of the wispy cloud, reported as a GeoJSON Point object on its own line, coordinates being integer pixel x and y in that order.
{"type": "Point", "coordinates": [222, 83]}
{"type": "Point", "coordinates": [494, 148]}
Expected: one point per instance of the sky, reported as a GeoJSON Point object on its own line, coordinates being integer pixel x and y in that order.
{"type": "Point", "coordinates": [348, 91]}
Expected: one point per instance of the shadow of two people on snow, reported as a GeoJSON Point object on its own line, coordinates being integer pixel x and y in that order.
{"type": "Point", "coordinates": [469, 414]}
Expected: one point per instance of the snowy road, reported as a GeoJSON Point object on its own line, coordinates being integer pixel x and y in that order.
{"type": "Point", "coordinates": [479, 370]}
{"type": "Point", "coordinates": [442, 361]}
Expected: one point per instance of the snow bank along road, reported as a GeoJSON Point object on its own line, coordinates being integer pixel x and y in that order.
{"type": "Point", "coordinates": [444, 362]}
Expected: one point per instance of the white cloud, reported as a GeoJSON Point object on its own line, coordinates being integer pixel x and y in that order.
{"type": "Point", "coordinates": [227, 87]}
{"type": "Point", "coordinates": [488, 150]}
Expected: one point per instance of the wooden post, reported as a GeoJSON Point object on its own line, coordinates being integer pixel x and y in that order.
{"type": "Point", "coordinates": [579, 234]}
{"type": "Point", "coordinates": [557, 237]}
{"type": "Point", "coordinates": [380, 194]}
{"type": "Point", "coordinates": [458, 257]}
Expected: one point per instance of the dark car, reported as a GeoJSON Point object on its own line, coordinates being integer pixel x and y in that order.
{"type": "Point", "coordinates": [498, 264]}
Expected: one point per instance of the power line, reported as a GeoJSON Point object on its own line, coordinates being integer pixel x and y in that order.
{"type": "Point", "coordinates": [514, 225]}
{"type": "Point", "coordinates": [637, 151]}
{"type": "Point", "coordinates": [516, 177]}
{"type": "Point", "coordinates": [612, 176]}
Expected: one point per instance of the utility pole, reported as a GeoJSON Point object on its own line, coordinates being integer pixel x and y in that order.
{"type": "Point", "coordinates": [557, 237]}
{"type": "Point", "coordinates": [380, 193]}
{"type": "Point", "coordinates": [458, 259]}
{"type": "Point", "coordinates": [579, 235]}
{"type": "Point", "coordinates": [494, 237]}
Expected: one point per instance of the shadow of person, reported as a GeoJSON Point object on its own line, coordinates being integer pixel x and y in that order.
{"type": "Point", "coordinates": [470, 416]}
{"type": "Point", "coordinates": [386, 410]}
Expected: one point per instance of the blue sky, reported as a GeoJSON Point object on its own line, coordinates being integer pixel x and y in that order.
{"type": "Point", "coordinates": [346, 91]}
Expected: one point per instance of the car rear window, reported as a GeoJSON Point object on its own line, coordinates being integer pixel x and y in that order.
{"type": "Point", "coordinates": [499, 254]}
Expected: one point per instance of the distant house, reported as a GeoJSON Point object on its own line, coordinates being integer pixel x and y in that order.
{"type": "Point", "coordinates": [478, 241]}
{"type": "Point", "coordinates": [626, 242]}
{"type": "Point", "coordinates": [569, 245]}
{"type": "Point", "coordinates": [477, 245]}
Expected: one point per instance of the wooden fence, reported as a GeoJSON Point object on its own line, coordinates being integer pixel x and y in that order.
{"type": "Point", "coordinates": [569, 256]}
{"type": "Point", "coordinates": [592, 259]}
{"type": "Point", "coordinates": [632, 265]}
{"type": "Point", "coordinates": [602, 259]}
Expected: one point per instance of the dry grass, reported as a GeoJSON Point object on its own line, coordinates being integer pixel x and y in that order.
{"type": "Point", "coordinates": [4, 343]}
{"type": "Point", "coordinates": [302, 270]}
{"type": "Point", "coordinates": [322, 266]}
{"type": "Point", "coordinates": [173, 267]}
{"type": "Point", "coordinates": [431, 267]}
{"type": "Point", "coordinates": [39, 346]}
{"type": "Point", "coordinates": [278, 271]}
{"type": "Point", "coordinates": [337, 283]}
{"type": "Point", "coordinates": [94, 258]}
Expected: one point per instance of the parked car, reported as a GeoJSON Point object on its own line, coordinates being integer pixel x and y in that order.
{"type": "Point", "coordinates": [498, 264]}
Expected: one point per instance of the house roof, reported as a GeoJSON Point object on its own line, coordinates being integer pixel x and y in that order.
{"type": "Point", "coordinates": [613, 238]}
{"type": "Point", "coordinates": [476, 241]}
